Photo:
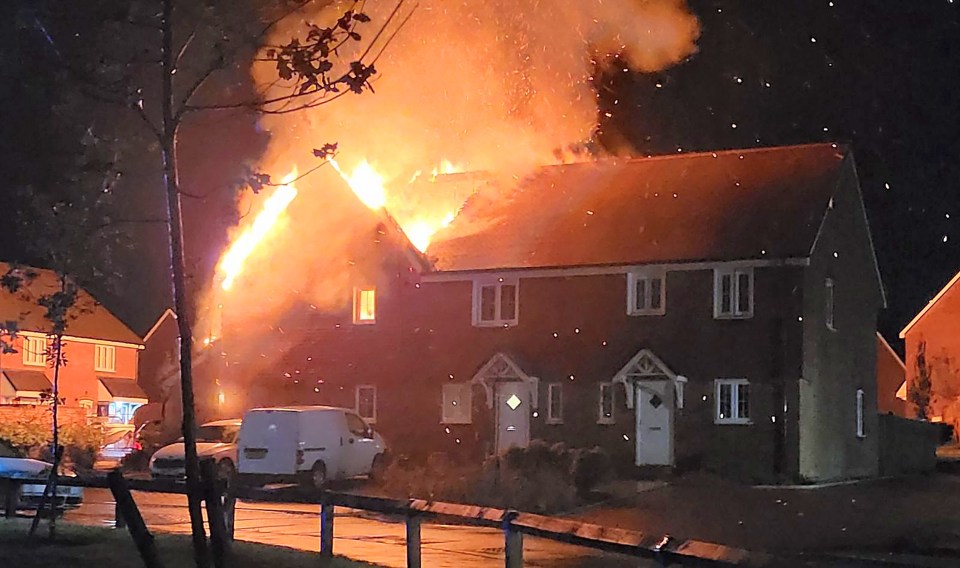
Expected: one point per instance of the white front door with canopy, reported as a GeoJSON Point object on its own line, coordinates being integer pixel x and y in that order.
{"type": "Point", "coordinates": [654, 392]}
{"type": "Point", "coordinates": [512, 395]}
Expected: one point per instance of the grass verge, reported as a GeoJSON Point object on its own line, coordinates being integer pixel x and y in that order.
{"type": "Point", "coordinates": [81, 546]}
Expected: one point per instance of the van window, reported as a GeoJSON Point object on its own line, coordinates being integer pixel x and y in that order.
{"type": "Point", "coordinates": [356, 425]}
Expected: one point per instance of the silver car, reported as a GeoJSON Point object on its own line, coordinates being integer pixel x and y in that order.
{"type": "Point", "coordinates": [217, 440]}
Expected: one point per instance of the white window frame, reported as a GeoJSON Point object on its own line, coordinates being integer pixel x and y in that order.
{"type": "Point", "coordinates": [830, 304]}
{"type": "Point", "coordinates": [497, 283]}
{"type": "Point", "coordinates": [368, 419]}
{"type": "Point", "coordinates": [457, 395]}
{"type": "Point", "coordinates": [104, 358]}
{"type": "Point", "coordinates": [734, 385]}
{"type": "Point", "coordinates": [646, 276]}
{"type": "Point", "coordinates": [35, 350]}
{"type": "Point", "coordinates": [358, 294]}
{"type": "Point", "coordinates": [861, 433]}
{"type": "Point", "coordinates": [736, 311]}
{"type": "Point", "coordinates": [554, 415]}
{"type": "Point", "coordinates": [601, 417]}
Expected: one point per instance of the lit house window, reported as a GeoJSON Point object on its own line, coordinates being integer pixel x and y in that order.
{"type": "Point", "coordinates": [367, 403]}
{"type": "Point", "coordinates": [829, 304]}
{"type": "Point", "coordinates": [605, 408]}
{"type": "Point", "coordinates": [860, 431]}
{"type": "Point", "coordinates": [365, 305]}
{"type": "Point", "coordinates": [733, 293]}
{"type": "Point", "coordinates": [646, 293]}
{"type": "Point", "coordinates": [34, 350]}
{"type": "Point", "coordinates": [105, 358]}
{"type": "Point", "coordinates": [495, 302]}
{"type": "Point", "coordinates": [555, 403]}
{"type": "Point", "coordinates": [732, 401]}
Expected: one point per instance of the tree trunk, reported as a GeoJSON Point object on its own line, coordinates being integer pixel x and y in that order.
{"type": "Point", "coordinates": [57, 452]}
{"type": "Point", "coordinates": [178, 269]}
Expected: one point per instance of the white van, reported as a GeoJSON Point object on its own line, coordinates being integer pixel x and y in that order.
{"type": "Point", "coordinates": [308, 445]}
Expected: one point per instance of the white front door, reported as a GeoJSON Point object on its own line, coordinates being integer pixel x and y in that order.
{"type": "Point", "coordinates": [654, 410]}
{"type": "Point", "coordinates": [513, 415]}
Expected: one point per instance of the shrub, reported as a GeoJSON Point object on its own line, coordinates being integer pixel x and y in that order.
{"type": "Point", "coordinates": [590, 468]}
{"type": "Point", "coordinates": [31, 435]}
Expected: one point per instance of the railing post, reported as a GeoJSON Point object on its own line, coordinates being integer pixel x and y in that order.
{"type": "Point", "coordinates": [119, 521]}
{"type": "Point", "coordinates": [326, 527]}
{"type": "Point", "coordinates": [513, 541]}
{"type": "Point", "coordinates": [413, 541]}
{"type": "Point", "coordinates": [11, 498]}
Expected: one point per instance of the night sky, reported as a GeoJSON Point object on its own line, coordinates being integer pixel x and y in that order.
{"type": "Point", "coordinates": [881, 76]}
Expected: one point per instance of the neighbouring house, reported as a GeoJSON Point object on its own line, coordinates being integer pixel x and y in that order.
{"type": "Point", "coordinates": [935, 331]}
{"type": "Point", "coordinates": [159, 376]}
{"type": "Point", "coordinates": [101, 352]}
{"type": "Point", "coordinates": [891, 380]}
{"type": "Point", "coordinates": [712, 310]}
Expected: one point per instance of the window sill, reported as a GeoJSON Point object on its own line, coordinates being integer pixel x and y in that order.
{"type": "Point", "coordinates": [861, 436]}
{"type": "Point", "coordinates": [732, 317]}
{"type": "Point", "coordinates": [505, 323]}
{"type": "Point", "coordinates": [371, 322]}
{"type": "Point", "coordinates": [104, 370]}
{"type": "Point", "coordinates": [554, 422]}
{"type": "Point", "coordinates": [733, 422]}
{"type": "Point", "coordinates": [606, 422]}
{"type": "Point", "coordinates": [44, 364]}
{"type": "Point", "coordinates": [647, 313]}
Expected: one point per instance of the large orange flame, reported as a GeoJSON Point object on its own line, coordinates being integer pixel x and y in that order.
{"type": "Point", "coordinates": [231, 265]}
{"type": "Point", "coordinates": [366, 182]}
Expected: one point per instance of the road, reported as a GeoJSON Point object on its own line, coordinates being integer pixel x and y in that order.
{"type": "Point", "coordinates": [357, 535]}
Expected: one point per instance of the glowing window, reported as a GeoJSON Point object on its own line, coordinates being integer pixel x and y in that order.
{"type": "Point", "coordinates": [365, 305]}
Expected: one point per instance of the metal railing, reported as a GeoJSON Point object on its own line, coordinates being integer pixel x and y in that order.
{"type": "Point", "coordinates": [662, 549]}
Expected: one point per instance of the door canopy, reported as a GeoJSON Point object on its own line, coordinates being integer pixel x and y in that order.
{"type": "Point", "coordinates": [644, 366]}
{"type": "Point", "coordinates": [501, 368]}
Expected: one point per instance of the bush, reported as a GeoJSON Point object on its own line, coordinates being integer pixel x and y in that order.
{"type": "Point", "coordinates": [590, 468]}
{"type": "Point", "coordinates": [30, 435]}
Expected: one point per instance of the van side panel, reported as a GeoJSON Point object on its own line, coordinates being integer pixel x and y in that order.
{"type": "Point", "coordinates": [321, 439]}
{"type": "Point", "coordinates": [268, 442]}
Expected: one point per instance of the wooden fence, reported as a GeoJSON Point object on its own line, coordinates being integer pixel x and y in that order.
{"type": "Point", "coordinates": [662, 549]}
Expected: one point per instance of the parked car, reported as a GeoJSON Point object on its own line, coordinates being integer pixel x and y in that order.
{"type": "Point", "coordinates": [34, 474]}
{"type": "Point", "coordinates": [119, 440]}
{"type": "Point", "coordinates": [217, 440]}
{"type": "Point", "coordinates": [309, 445]}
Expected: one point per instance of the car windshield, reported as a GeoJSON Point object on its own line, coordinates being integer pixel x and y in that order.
{"type": "Point", "coordinates": [224, 434]}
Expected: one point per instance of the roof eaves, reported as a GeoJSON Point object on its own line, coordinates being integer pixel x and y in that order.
{"type": "Point", "coordinates": [167, 313]}
{"type": "Point", "coordinates": [930, 304]}
{"type": "Point", "coordinates": [886, 344]}
{"type": "Point", "coordinates": [866, 224]}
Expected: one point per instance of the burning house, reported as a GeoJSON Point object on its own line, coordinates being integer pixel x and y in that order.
{"type": "Point", "coordinates": [713, 310]}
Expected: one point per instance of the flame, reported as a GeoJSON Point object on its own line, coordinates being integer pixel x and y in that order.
{"type": "Point", "coordinates": [231, 265]}
{"type": "Point", "coordinates": [366, 182]}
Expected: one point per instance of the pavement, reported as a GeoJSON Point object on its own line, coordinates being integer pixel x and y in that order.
{"type": "Point", "coordinates": [357, 535]}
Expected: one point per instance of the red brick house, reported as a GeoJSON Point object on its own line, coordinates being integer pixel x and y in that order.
{"type": "Point", "coordinates": [708, 310]}
{"type": "Point", "coordinates": [937, 328]}
{"type": "Point", "coordinates": [101, 353]}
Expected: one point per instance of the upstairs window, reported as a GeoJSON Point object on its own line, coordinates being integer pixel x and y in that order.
{"type": "Point", "coordinates": [105, 358]}
{"type": "Point", "coordinates": [606, 406]}
{"type": "Point", "coordinates": [495, 302]}
{"type": "Point", "coordinates": [860, 431]}
{"type": "Point", "coordinates": [367, 403]}
{"type": "Point", "coordinates": [34, 351]}
{"type": "Point", "coordinates": [646, 293]}
{"type": "Point", "coordinates": [733, 293]}
{"type": "Point", "coordinates": [555, 403]}
{"type": "Point", "coordinates": [365, 305]}
{"type": "Point", "coordinates": [829, 304]}
{"type": "Point", "coordinates": [732, 401]}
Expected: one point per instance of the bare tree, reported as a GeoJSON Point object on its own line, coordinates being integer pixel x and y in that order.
{"type": "Point", "coordinates": [158, 63]}
{"type": "Point", "coordinates": [919, 390]}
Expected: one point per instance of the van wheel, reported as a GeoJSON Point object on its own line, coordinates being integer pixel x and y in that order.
{"type": "Point", "coordinates": [378, 468]}
{"type": "Point", "coordinates": [317, 477]}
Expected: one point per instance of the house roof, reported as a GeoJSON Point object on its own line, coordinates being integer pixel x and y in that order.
{"type": "Point", "coordinates": [930, 304]}
{"type": "Point", "coordinates": [89, 318]}
{"type": "Point", "coordinates": [122, 388]}
{"type": "Point", "coordinates": [886, 345]}
{"type": "Point", "coordinates": [729, 205]}
{"type": "Point", "coordinates": [34, 381]}
{"type": "Point", "coordinates": [168, 313]}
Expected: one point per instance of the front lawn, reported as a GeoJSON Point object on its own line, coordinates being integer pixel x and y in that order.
{"type": "Point", "coordinates": [80, 546]}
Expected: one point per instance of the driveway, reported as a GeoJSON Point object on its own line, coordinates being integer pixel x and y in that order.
{"type": "Point", "coordinates": [915, 515]}
{"type": "Point", "coordinates": [371, 539]}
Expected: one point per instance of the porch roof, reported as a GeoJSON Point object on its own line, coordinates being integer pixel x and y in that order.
{"type": "Point", "coordinates": [122, 388]}
{"type": "Point", "coordinates": [30, 381]}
